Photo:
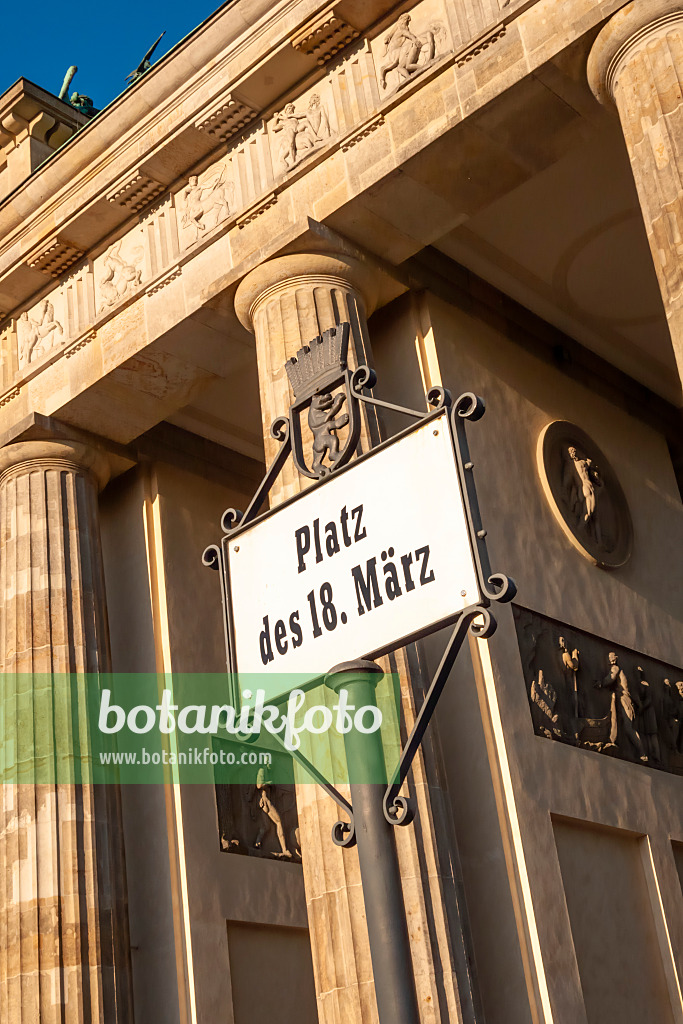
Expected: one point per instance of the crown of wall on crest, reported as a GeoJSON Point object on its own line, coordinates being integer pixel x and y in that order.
{"type": "Point", "coordinates": [318, 366]}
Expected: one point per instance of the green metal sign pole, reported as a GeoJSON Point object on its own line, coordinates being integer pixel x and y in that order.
{"type": "Point", "coordinates": [380, 876]}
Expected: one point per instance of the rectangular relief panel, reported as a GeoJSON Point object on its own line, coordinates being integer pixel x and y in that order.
{"type": "Point", "coordinates": [613, 927]}
{"type": "Point", "coordinates": [590, 693]}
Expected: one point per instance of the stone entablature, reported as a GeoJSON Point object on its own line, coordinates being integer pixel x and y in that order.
{"type": "Point", "coordinates": [260, 156]}
{"type": "Point", "coordinates": [174, 118]}
{"type": "Point", "coordinates": [253, 194]}
{"type": "Point", "coordinates": [167, 123]}
{"type": "Point", "coordinates": [324, 35]}
{"type": "Point", "coordinates": [337, 110]}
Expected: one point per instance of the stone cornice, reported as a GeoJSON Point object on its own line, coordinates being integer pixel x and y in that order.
{"type": "Point", "coordinates": [55, 257]}
{"type": "Point", "coordinates": [25, 107]}
{"type": "Point", "coordinates": [324, 35]}
{"type": "Point", "coordinates": [183, 92]}
{"type": "Point", "coordinates": [241, 60]}
{"type": "Point", "coordinates": [164, 136]}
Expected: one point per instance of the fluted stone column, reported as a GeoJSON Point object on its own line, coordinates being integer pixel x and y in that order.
{"type": "Point", "coordinates": [286, 303]}
{"type": "Point", "coordinates": [637, 64]}
{"type": "Point", "coordinates": [64, 952]}
{"type": "Point", "coordinates": [289, 301]}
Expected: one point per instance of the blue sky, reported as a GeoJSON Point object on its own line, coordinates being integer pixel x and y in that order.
{"type": "Point", "coordinates": [105, 41]}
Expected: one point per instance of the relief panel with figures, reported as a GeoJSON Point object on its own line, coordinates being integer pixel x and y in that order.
{"type": "Point", "coordinates": [206, 200]}
{"type": "Point", "coordinates": [590, 693]}
{"type": "Point", "coordinates": [416, 41]}
{"type": "Point", "coordinates": [119, 271]}
{"type": "Point", "coordinates": [302, 127]}
{"type": "Point", "coordinates": [41, 329]}
{"type": "Point", "coordinates": [256, 816]}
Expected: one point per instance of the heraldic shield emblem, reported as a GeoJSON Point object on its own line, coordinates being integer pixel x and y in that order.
{"type": "Point", "coordinates": [321, 382]}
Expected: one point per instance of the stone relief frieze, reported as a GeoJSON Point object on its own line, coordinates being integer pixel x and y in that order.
{"type": "Point", "coordinates": [259, 819]}
{"type": "Point", "coordinates": [300, 130]}
{"type": "Point", "coordinates": [118, 271]}
{"type": "Point", "coordinates": [355, 89]}
{"type": "Point", "coordinates": [221, 192]}
{"type": "Point", "coordinates": [40, 329]}
{"type": "Point", "coordinates": [342, 108]}
{"type": "Point", "coordinates": [480, 43]}
{"type": "Point", "coordinates": [64, 314]}
{"type": "Point", "coordinates": [8, 354]}
{"type": "Point", "coordinates": [207, 202]}
{"type": "Point", "coordinates": [414, 43]}
{"type": "Point", "coordinates": [478, 18]}
{"type": "Point", "coordinates": [590, 693]}
{"type": "Point", "coordinates": [160, 232]}
{"type": "Point", "coordinates": [79, 300]}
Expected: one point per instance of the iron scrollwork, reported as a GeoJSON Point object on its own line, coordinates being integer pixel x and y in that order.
{"type": "Point", "coordinates": [316, 375]}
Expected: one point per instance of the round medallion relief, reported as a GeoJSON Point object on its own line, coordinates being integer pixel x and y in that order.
{"type": "Point", "coordinates": [584, 494]}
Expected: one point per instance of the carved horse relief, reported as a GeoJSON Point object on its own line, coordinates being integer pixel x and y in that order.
{"type": "Point", "coordinates": [407, 54]}
{"type": "Point", "coordinates": [38, 332]}
{"type": "Point", "coordinates": [121, 277]}
{"type": "Point", "coordinates": [207, 202]}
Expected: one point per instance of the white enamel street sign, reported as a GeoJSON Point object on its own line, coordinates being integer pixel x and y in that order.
{"type": "Point", "coordinates": [377, 555]}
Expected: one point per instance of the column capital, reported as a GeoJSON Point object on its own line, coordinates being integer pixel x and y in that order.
{"type": "Point", "coordinates": [325, 269]}
{"type": "Point", "coordinates": [17, 458]}
{"type": "Point", "coordinates": [626, 33]}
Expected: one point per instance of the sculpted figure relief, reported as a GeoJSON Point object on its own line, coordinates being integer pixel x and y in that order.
{"type": "Point", "coordinates": [634, 712]}
{"type": "Point", "coordinates": [582, 482]}
{"type": "Point", "coordinates": [208, 203]}
{"type": "Point", "coordinates": [674, 714]}
{"type": "Point", "coordinates": [259, 819]}
{"type": "Point", "coordinates": [670, 715]}
{"type": "Point", "coordinates": [623, 708]}
{"type": "Point", "coordinates": [406, 53]}
{"type": "Point", "coordinates": [647, 719]}
{"type": "Point", "coordinates": [544, 696]}
{"type": "Point", "coordinates": [318, 119]}
{"type": "Point", "coordinates": [37, 336]}
{"type": "Point", "coordinates": [570, 668]}
{"type": "Point", "coordinates": [271, 816]}
{"type": "Point", "coordinates": [588, 502]}
{"type": "Point", "coordinates": [301, 133]}
{"type": "Point", "coordinates": [120, 277]}
{"type": "Point", "coordinates": [264, 794]}
{"type": "Point", "coordinates": [324, 423]}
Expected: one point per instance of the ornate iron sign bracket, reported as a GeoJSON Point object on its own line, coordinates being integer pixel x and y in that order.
{"type": "Point", "coordinates": [323, 385]}
{"type": "Point", "coordinates": [316, 375]}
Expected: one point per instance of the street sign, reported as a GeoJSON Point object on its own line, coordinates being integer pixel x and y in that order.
{"type": "Point", "coordinates": [379, 552]}
{"type": "Point", "coordinates": [376, 555]}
